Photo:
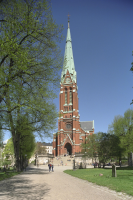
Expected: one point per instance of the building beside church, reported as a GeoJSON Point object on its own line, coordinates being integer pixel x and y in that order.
{"type": "Point", "coordinates": [49, 147]}
{"type": "Point", "coordinates": [71, 132]}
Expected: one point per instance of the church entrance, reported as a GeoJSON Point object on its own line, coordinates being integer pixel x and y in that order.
{"type": "Point", "coordinates": [68, 147]}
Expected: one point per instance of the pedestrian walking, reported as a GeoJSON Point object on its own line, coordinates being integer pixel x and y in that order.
{"type": "Point", "coordinates": [52, 167]}
{"type": "Point", "coordinates": [49, 165]}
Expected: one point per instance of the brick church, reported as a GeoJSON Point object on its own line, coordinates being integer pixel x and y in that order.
{"type": "Point", "coordinates": [71, 131]}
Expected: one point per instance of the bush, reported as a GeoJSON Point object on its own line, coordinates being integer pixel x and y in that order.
{"type": "Point", "coordinates": [7, 162]}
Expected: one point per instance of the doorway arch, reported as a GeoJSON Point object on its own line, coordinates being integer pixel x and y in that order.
{"type": "Point", "coordinates": [68, 147]}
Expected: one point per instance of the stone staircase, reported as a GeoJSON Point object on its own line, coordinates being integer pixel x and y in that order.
{"type": "Point", "coordinates": [63, 160]}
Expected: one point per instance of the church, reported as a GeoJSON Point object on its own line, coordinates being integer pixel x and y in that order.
{"type": "Point", "coordinates": [71, 131]}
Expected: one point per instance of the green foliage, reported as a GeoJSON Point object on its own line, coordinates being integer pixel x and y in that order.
{"type": "Point", "coordinates": [40, 149]}
{"type": "Point", "coordinates": [89, 148]}
{"type": "Point", "coordinates": [102, 145]}
{"type": "Point", "coordinates": [8, 153]}
{"type": "Point", "coordinates": [30, 61]}
{"type": "Point", "coordinates": [4, 175]}
{"type": "Point", "coordinates": [29, 64]}
{"type": "Point", "coordinates": [1, 137]}
{"type": "Point", "coordinates": [1, 145]}
{"type": "Point", "coordinates": [9, 149]}
{"type": "Point", "coordinates": [27, 145]}
{"type": "Point", "coordinates": [27, 139]}
{"type": "Point", "coordinates": [122, 127]}
{"type": "Point", "coordinates": [6, 162]}
{"type": "Point", "coordinates": [108, 146]}
{"type": "Point", "coordinates": [123, 182]}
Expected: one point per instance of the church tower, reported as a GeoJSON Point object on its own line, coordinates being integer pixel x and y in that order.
{"type": "Point", "coordinates": [71, 132]}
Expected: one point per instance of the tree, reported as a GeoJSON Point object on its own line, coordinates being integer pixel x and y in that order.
{"type": "Point", "coordinates": [27, 142]}
{"type": "Point", "coordinates": [40, 149]}
{"type": "Point", "coordinates": [1, 144]}
{"type": "Point", "coordinates": [1, 137]}
{"type": "Point", "coordinates": [102, 145]}
{"type": "Point", "coordinates": [26, 147]}
{"type": "Point", "coordinates": [89, 148]}
{"type": "Point", "coordinates": [122, 127]}
{"type": "Point", "coordinates": [8, 152]}
{"type": "Point", "coordinates": [108, 146]}
{"type": "Point", "coordinates": [29, 64]}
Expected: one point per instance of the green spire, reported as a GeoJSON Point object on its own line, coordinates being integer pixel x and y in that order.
{"type": "Point", "coordinates": [68, 58]}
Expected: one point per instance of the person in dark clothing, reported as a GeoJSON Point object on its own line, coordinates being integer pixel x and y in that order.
{"type": "Point", "coordinates": [52, 167]}
{"type": "Point", "coordinates": [49, 165]}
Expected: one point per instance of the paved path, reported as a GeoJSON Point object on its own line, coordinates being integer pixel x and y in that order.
{"type": "Point", "coordinates": [39, 184]}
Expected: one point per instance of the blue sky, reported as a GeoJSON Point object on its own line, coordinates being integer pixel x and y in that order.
{"type": "Point", "coordinates": [102, 42]}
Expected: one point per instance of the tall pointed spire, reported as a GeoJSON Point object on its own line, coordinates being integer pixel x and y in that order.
{"type": "Point", "coordinates": [68, 57]}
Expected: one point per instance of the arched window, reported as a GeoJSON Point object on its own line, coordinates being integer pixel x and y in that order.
{"type": "Point", "coordinates": [65, 96]}
{"type": "Point", "coordinates": [70, 95]}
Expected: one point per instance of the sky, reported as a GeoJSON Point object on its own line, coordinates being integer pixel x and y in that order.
{"type": "Point", "coordinates": [102, 42]}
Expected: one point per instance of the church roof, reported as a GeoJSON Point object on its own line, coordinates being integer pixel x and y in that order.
{"type": "Point", "coordinates": [87, 125]}
{"type": "Point", "coordinates": [68, 58]}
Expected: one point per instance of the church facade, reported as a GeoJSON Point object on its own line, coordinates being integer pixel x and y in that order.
{"type": "Point", "coordinates": [71, 132]}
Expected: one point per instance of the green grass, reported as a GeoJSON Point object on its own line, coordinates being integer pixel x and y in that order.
{"type": "Point", "coordinates": [122, 183]}
{"type": "Point", "coordinates": [4, 175]}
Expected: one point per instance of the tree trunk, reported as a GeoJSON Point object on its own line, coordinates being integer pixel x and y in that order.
{"type": "Point", "coordinates": [20, 161]}
{"type": "Point", "coordinates": [16, 151]}
{"type": "Point", "coordinates": [15, 134]}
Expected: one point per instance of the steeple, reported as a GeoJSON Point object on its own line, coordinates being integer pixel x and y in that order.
{"type": "Point", "coordinates": [68, 58]}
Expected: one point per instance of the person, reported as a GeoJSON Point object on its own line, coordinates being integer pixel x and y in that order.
{"type": "Point", "coordinates": [49, 165]}
{"type": "Point", "coordinates": [120, 163]}
{"type": "Point", "coordinates": [52, 167]}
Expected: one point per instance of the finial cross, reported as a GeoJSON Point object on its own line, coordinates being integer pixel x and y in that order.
{"type": "Point", "coordinates": [68, 17]}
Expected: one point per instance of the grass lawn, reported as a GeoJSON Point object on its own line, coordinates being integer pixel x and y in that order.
{"type": "Point", "coordinates": [122, 183]}
{"type": "Point", "coordinates": [4, 175]}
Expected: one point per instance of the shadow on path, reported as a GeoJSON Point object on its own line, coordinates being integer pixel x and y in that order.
{"type": "Point", "coordinates": [21, 187]}
{"type": "Point", "coordinates": [34, 170]}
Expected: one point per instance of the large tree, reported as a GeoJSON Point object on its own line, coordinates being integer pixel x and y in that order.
{"type": "Point", "coordinates": [122, 126]}
{"type": "Point", "coordinates": [108, 146]}
{"type": "Point", "coordinates": [89, 147]}
{"type": "Point", "coordinates": [102, 145]}
{"type": "Point", "coordinates": [27, 143]}
{"type": "Point", "coordinates": [29, 65]}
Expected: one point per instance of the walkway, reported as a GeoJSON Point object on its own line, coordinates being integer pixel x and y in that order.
{"type": "Point", "coordinates": [39, 184]}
